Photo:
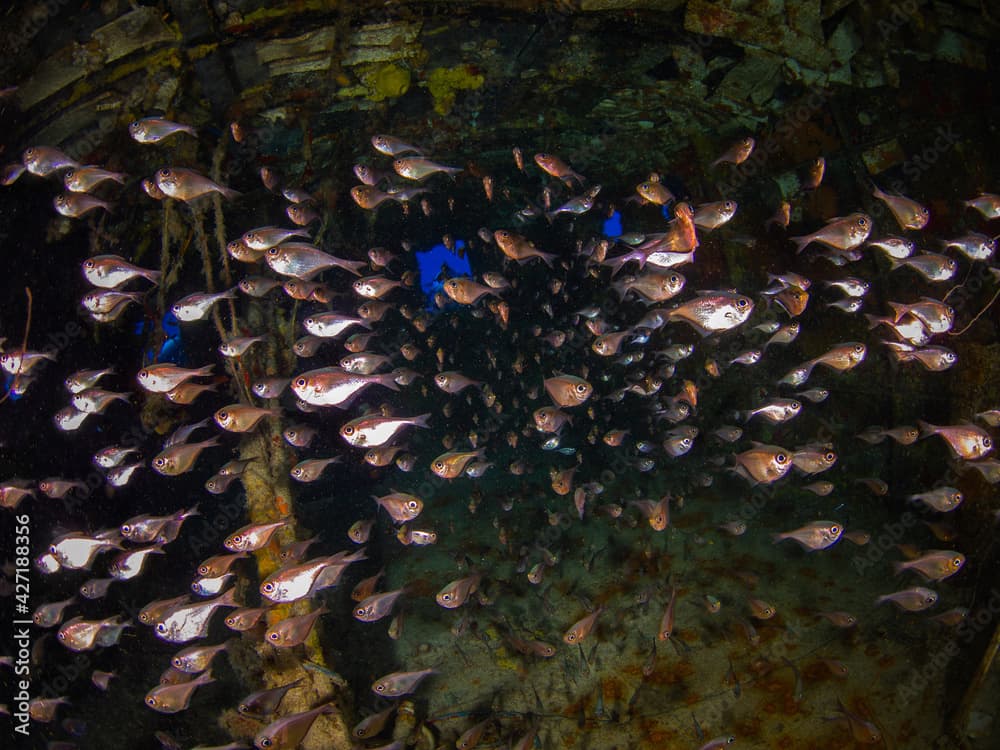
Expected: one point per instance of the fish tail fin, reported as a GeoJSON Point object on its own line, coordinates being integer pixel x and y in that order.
{"type": "Point", "coordinates": [229, 193]}
{"type": "Point", "coordinates": [899, 309]}
{"type": "Point", "coordinates": [926, 428]}
{"type": "Point", "coordinates": [548, 258]}
{"type": "Point", "coordinates": [898, 567]}
{"type": "Point", "coordinates": [422, 420]}
{"type": "Point", "coordinates": [801, 242]}
{"type": "Point", "coordinates": [388, 380]}
{"type": "Point", "coordinates": [229, 598]}
{"type": "Point", "coordinates": [777, 538]}
{"type": "Point", "coordinates": [895, 263]}
{"type": "Point", "coordinates": [874, 321]}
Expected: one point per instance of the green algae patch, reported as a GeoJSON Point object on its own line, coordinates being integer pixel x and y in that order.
{"type": "Point", "coordinates": [443, 83]}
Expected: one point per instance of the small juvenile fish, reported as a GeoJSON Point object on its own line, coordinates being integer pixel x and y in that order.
{"type": "Point", "coordinates": [293, 631]}
{"type": "Point", "coordinates": [813, 536]}
{"type": "Point", "coordinates": [400, 683]}
{"type": "Point", "coordinates": [85, 179]}
{"type": "Point", "coordinates": [44, 160]}
{"type": "Point", "coordinates": [377, 606]}
{"type": "Point", "coordinates": [711, 216]}
{"type": "Point", "coordinates": [909, 213]}
{"type": "Point", "coordinates": [935, 565]}
{"type": "Point", "coordinates": [377, 431]}
{"type": "Point", "coordinates": [931, 266]}
{"type": "Point", "coordinates": [196, 659]}
{"type": "Point", "coordinates": [75, 205]}
{"type": "Point", "coordinates": [186, 622]}
{"type": "Point", "coordinates": [166, 376]}
{"type": "Point", "coordinates": [419, 168]}
{"type": "Point", "coordinates": [915, 599]}
{"type": "Point", "coordinates": [845, 233]}
{"type": "Point", "coordinates": [568, 390]}
{"type": "Point", "coordinates": [391, 146]}
{"type": "Point", "coordinates": [178, 459]}
{"type": "Point", "coordinates": [862, 731]}
{"type": "Point", "coordinates": [763, 463]}
{"type": "Point", "coordinates": [155, 129]}
{"type": "Point", "coordinates": [196, 306]}
{"type": "Point", "coordinates": [555, 167]}
{"type": "Point", "coordinates": [242, 417]}
{"type": "Point", "coordinates": [187, 185]}
{"type": "Point", "coordinates": [965, 441]}
{"type": "Point", "coordinates": [170, 699]}
{"type": "Point", "coordinates": [581, 629]}
{"type": "Point", "coordinates": [252, 537]}
{"type": "Point", "coordinates": [288, 732]}
{"type": "Point", "coordinates": [456, 593]}
{"type": "Point", "coordinates": [266, 702]}
{"type": "Point", "coordinates": [840, 619]}
{"type": "Point", "coordinates": [986, 204]}
{"type": "Point", "coordinates": [737, 153]}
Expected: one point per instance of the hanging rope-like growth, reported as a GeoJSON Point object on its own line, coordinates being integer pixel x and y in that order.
{"type": "Point", "coordinates": [24, 346]}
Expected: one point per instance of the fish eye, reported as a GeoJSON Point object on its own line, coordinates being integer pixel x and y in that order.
{"type": "Point", "coordinates": [160, 461]}
{"type": "Point", "coordinates": [297, 471]}
{"type": "Point", "coordinates": [223, 416]}
{"type": "Point", "coordinates": [164, 172]}
{"type": "Point", "coordinates": [300, 382]}
{"type": "Point", "coordinates": [161, 628]}
{"type": "Point", "coordinates": [571, 637]}
{"type": "Point", "coordinates": [674, 278]}
{"type": "Point", "coordinates": [439, 464]}
{"type": "Point", "coordinates": [795, 406]}
{"type": "Point", "coordinates": [126, 529]}
{"type": "Point", "coordinates": [308, 322]}
{"type": "Point", "coordinates": [268, 586]}
{"type": "Point", "coordinates": [729, 205]}
{"type": "Point", "coordinates": [412, 505]}
{"type": "Point", "coordinates": [151, 701]}
{"type": "Point", "coordinates": [780, 458]}
{"type": "Point", "coordinates": [348, 430]}
{"type": "Point", "coordinates": [862, 222]}
{"type": "Point", "coordinates": [380, 688]}
{"type": "Point", "coordinates": [830, 456]}
{"type": "Point", "coordinates": [359, 612]}
{"type": "Point", "coordinates": [836, 530]}
{"type": "Point", "coordinates": [581, 388]}
{"type": "Point", "coordinates": [859, 348]}
{"type": "Point", "coordinates": [203, 570]}
{"type": "Point", "coordinates": [272, 636]}
{"type": "Point", "coordinates": [987, 442]}
{"type": "Point", "coordinates": [957, 562]}
{"type": "Point", "coordinates": [266, 742]}
{"type": "Point", "coordinates": [446, 597]}
{"type": "Point", "coordinates": [273, 251]}
{"type": "Point", "coordinates": [238, 539]}
{"type": "Point", "coordinates": [742, 302]}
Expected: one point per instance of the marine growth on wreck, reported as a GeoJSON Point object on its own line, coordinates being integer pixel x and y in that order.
{"type": "Point", "coordinates": [562, 374]}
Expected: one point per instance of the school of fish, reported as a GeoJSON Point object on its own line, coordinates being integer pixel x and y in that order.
{"type": "Point", "coordinates": [568, 352]}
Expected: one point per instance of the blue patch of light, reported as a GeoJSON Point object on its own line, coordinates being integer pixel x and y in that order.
{"type": "Point", "coordinates": [668, 214]}
{"type": "Point", "coordinates": [8, 383]}
{"type": "Point", "coordinates": [429, 264]}
{"type": "Point", "coordinates": [172, 349]}
{"type": "Point", "coordinates": [613, 225]}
